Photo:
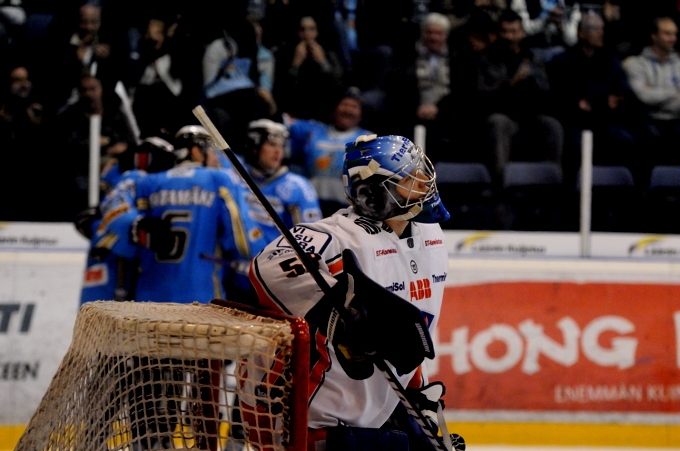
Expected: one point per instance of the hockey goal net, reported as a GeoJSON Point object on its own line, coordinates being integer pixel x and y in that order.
{"type": "Point", "coordinates": [143, 376]}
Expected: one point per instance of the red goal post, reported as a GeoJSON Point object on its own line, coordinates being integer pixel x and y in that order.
{"type": "Point", "coordinates": [141, 375]}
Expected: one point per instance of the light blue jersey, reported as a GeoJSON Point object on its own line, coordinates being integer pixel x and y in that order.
{"type": "Point", "coordinates": [109, 272]}
{"type": "Point", "coordinates": [201, 204]}
{"type": "Point", "coordinates": [291, 196]}
{"type": "Point", "coordinates": [317, 151]}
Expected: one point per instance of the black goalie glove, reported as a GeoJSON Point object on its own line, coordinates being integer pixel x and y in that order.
{"type": "Point", "coordinates": [375, 323]}
{"type": "Point", "coordinates": [153, 233]}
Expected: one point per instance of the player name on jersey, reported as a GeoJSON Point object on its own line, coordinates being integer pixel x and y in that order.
{"type": "Point", "coordinates": [193, 196]}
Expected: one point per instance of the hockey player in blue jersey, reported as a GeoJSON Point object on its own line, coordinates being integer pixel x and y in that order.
{"type": "Point", "coordinates": [291, 195]}
{"type": "Point", "coordinates": [317, 149]}
{"type": "Point", "coordinates": [110, 269]}
{"type": "Point", "coordinates": [187, 214]}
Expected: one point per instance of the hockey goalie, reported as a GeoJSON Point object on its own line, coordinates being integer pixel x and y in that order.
{"type": "Point", "coordinates": [386, 261]}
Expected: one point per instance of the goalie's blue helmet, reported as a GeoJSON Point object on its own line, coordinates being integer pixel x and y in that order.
{"type": "Point", "coordinates": [389, 177]}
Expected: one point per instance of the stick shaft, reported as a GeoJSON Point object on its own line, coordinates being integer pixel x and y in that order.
{"type": "Point", "coordinates": [309, 265]}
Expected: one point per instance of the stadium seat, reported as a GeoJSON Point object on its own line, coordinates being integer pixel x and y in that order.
{"type": "Point", "coordinates": [614, 201]}
{"type": "Point", "coordinates": [665, 177]}
{"type": "Point", "coordinates": [533, 197]}
{"type": "Point", "coordinates": [531, 173]}
{"type": "Point", "coordinates": [466, 191]}
{"type": "Point", "coordinates": [609, 176]}
{"type": "Point", "coordinates": [448, 172]}
{"type": "Point", "coordinates": [662, 200]}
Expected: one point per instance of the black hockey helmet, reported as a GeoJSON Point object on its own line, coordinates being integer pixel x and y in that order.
{"type": "Point", "coordinates": [188, 137]}
{"type": "Point", "coordinates": [154, 154]}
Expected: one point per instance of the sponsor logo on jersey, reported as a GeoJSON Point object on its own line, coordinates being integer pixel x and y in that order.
{"type": "Point", "coordinates": [369, 226]}
{"type": "Point", "coordinates": [311, 241]}
{"type": "Point", "coordinates": [96, 275]}
{"type": "Point", "coordinates": [396, 286]}
{"type": "Point", "coordinates": [438, 278]}
{"type": "Point", "coordinates": [185, 197]}
{"type": "Point", "coordinates": [420, 289]}
{"type": "Point", "coordinates": [414, 267]}
{"type": "Point", "coordinates": [434, 243]}
{"type": "Point", "coordinates": [382, 253]}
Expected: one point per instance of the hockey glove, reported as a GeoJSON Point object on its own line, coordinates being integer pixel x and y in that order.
{"type": "Point", "coordinates": [84, 221]}
{"type": "Point", "coordinates": [428, 400]}
{"type": "Point", "coordinates": [349, 335]}
{"type": "Point", "coordinates": [376, 323]}
{"type": "Point", "coordinates": [153, 233]}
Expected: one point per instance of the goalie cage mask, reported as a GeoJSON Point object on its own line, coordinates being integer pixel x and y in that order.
{"type": "Point", "coordinates": [373, 168]}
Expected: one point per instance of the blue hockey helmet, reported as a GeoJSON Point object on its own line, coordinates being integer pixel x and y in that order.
{"type": "Point", "coordinates": [389, 177]}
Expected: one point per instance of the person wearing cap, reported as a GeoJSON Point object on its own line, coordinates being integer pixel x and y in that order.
{"type": "Point", "coordinates": [317, 149]}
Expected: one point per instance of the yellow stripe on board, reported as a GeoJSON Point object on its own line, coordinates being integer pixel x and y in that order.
{"type": "Point", "coordinates": [9, 436]}
{"type": "Point", "coordinates": [562, 434]}
{"type": "Point", "coordinates": [533, 434]}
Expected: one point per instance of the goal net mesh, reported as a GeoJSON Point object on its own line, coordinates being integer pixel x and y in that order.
{"type": "Point", "coordinates": [143, 376]}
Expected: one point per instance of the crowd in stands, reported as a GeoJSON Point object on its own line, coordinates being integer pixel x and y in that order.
{"type": "Point", "coordinates": [493, 81]}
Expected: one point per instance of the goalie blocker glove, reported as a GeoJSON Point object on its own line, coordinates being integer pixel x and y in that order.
{"type": "Point", "coordinates": [153, 233]}
{"type": "Point", "coordinates": [369, 322]}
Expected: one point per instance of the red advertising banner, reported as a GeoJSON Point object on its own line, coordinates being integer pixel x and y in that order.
{"type": "Point", "coordinates": [560, 346]}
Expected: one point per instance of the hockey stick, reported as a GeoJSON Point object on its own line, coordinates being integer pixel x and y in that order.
{"type": "Point", "coordinates": [437, 442]}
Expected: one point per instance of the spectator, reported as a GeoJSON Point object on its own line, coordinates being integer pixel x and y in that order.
{"type": "Point", "coordinates": [71, 130]}
{"type": "Point", "coordinates": [513, 84]}
{"type": "Point", "coordinates": [306, 73]}
{"type": "Point", "coordinates": [590, 89]}
{"type": "Point", "coordinates": [550, 24]}
{"type": "Point", "coordinates": [159, 103]}
{"type": "Point", "coordinates": [21, 112]}
{"type": "Point", "coordinates": [619, 37]}
{"type": "Point", "coordinates": [432, 66]}
{"type": "Point", "coordinates": [231, 79]}
{"type": "Point", "coordinates": [84, 50]}
{"type": "Point", "coordinates": [266, 65]}
{"type": "Point", "coordinates": [653, 77]}
{"type": "Point", "coordinates": [454, 135]}
{"type": "Point", "coordinates": [317, 149]}
{"type": "Point", "coordinates": [22, 134]}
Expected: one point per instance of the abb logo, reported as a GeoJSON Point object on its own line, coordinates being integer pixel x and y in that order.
{"type": "Point", "coordinates": [420, 289]}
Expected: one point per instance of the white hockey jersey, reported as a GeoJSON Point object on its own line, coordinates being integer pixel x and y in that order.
{"type": "Point", "coordinates": [414, 268]}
